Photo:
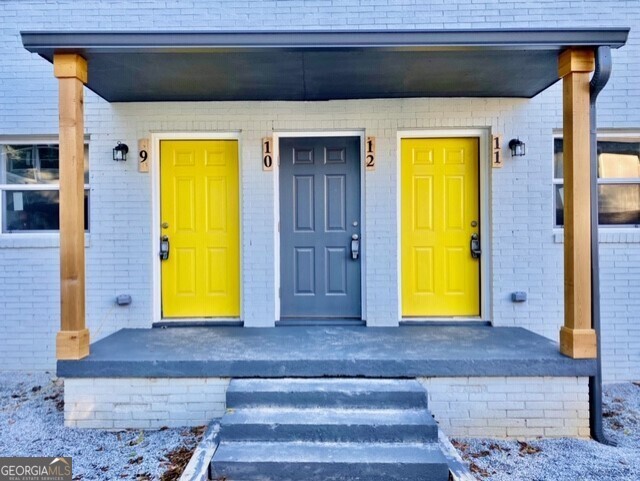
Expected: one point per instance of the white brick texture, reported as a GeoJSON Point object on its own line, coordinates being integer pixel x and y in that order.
{"type": "Point", "coordinates": [143, 403]}
{"type": "Point", "coordinates": [510, 407]}
{"type": "Point", "coordinates": [522, 407]}
{"type": "Point", "coordinates": [524, 252]}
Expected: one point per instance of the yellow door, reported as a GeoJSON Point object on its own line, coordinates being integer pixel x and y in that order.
{"type": "Point", "coordinates": [200, 216]}
{"type": "Point", "coordinates": [440, 213]}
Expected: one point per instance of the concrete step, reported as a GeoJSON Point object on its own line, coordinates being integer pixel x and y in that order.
{"type": "Point", "coordinates": [348, 393]}
{"type": "Point", "coordinates": [329, 425]}
{"type": "Point", "coordinates": [266, 461]}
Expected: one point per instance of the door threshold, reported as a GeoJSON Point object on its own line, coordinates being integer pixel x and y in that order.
{"type": "Point", "coordinates": [198, 323]}
{"type": "Point", "coordinates": [306, 322]}
{"type": "Point", "coordinates": [446, 322]}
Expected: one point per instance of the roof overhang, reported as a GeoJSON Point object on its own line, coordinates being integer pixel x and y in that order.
{"type": "Point", "coordinates": [320, 65]}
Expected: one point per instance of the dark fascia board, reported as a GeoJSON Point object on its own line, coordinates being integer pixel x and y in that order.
{"type": "Point", "coordinates": [46, 43]}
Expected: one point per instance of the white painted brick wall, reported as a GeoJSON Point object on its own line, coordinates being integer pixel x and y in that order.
{"type": "Point", "coordinates": [505, 407]}
{"type": "Point", "coordinates": [143, 403]}
{"type": "Point", "coordinates": [524, 252]}
{"type": "Point", "coordinates": [522, 407]}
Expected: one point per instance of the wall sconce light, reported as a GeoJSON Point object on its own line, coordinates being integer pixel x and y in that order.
{"type": "Point", "coordinates": [120, 152]}
{"type": "Point", "coordinates": [517, 147]}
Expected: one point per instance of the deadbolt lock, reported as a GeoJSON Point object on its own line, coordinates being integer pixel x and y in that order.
{"type": "Point", "coordinates": [475, 246]}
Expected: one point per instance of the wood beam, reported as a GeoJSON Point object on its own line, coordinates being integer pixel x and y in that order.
{"type": "Point", "coordinates": [577, 337]}
{"type": "Point", "coordinates": [72, 341]}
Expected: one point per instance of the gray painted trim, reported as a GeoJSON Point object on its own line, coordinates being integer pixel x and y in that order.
{"type": "Point", "coordinates": [198, 467]}
{"type": "Point", "coordinates": [304, 65]}
{"type": "Point", "coordinates": [598, 82]}
{"type": "Point", "coordinates": [330, 368]}
{"type": "Point", "coordinates": [458, 470]}
{"type": "Point", "coordinates": [290, 322]}
{"type": "Point", "coordinates": [45, 43]}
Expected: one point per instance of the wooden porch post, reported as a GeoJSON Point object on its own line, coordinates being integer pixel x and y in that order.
{"type": "Point", "coordinates": [577, 338]}
{"type": "Point", "coordinates": [72, 341]}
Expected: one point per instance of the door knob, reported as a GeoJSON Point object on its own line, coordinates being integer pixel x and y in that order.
{"type": "Point", "coordinates": [475, 246]}
{"type": "Point", "coordinates": [355, 246]}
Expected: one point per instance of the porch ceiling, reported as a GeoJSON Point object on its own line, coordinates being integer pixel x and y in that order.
{"type": "Point", "coordinates": [320, 65]}
{"type": "Point", "coordinates": [408, 351]}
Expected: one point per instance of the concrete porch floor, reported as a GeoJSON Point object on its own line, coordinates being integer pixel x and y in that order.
{"type": "Point", "coordinates": [406, 351]}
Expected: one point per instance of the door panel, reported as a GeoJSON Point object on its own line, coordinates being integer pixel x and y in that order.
{"type": "Point", "coordinates": [304, 208]}
{"type": "Point", "coordinates": [200, 206]}
{"type": "Point", "coordinates": [319, 204]}
{"type": "Point", "coordinates": [336, 203]}
{"type": "Point", "coordinates": [440, 203]}
{"type": "Point", "coordinates": [304, 271]}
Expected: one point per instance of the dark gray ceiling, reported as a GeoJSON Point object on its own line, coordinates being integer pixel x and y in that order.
{"type": "Point", "coordinates": [156, 66]}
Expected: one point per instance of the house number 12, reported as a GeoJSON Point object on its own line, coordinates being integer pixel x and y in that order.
{"type": "Point", "coordinates": [370, 153]}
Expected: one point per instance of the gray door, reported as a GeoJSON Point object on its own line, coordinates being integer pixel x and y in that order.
{"type": "Point", "coordinates": [319, 215]}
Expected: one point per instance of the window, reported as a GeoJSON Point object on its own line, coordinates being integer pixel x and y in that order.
{"type": "Point", "coordinates": [30, 190]}
{"type": "Point", "coordinates": [618, 181]}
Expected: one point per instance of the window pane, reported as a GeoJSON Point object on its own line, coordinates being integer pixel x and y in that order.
{"type": "Point", "coordinates": [557, 159]}
{"type": "Point", "coordinates": [28, 210]}
{"type": "Point", "coordinates": [48, 155]}
{"type": "Point", "coordinates": [619, 204]}
{"type": "Point", "coordinates": [617, 158]}
{"type": "Point", "coordinates": [618, 166]}
{"type": "Point", "coordinates": [35, 164]}
{"type": "Point", "coordinates": [19, 164]}
{"type": "Point", "coordinates": [558, 196]}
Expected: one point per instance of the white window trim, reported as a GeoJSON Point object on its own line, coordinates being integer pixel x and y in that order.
{"type": "Point", "coordinates": [45, 238]}
{"type": "Point", "coordinates": [603, 229]}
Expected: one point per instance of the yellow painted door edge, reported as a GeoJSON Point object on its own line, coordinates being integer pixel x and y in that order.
{"type": "Point", "coordinates": [439, 213]}
{"type": "Point", "coordinates": [200, 215]}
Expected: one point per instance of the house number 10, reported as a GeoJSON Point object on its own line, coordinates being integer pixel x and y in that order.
{"type": "Point", "coordinates": [267, 153]}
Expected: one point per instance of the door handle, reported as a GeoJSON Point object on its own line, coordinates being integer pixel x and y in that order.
{"type": "Point", "coordinates": [475, 246]}
{"type": "Point", "coordinates": [355, 246]}
{"type": "Point", "coordinates": [164, 248]}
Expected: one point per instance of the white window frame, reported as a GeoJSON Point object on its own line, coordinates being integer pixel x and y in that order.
{"type": "Point", "coordinates": [612, 228]}
{"type": "Point", "coordinates": [25, 141]}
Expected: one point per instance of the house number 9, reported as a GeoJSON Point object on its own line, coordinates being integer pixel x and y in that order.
{"type": "Point", "coordinates": [143, 155]}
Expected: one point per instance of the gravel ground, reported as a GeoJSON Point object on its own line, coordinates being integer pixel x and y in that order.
{"type": "Point", "coordinates": [566, 459]}
{"type": "Point", "coordinates": [32, 424]}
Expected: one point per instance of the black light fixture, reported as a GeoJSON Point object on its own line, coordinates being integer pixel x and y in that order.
{"type": "Point", "coordinates": [120, 152]}
{"type": "Point", "coordinates": [517, 147]}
